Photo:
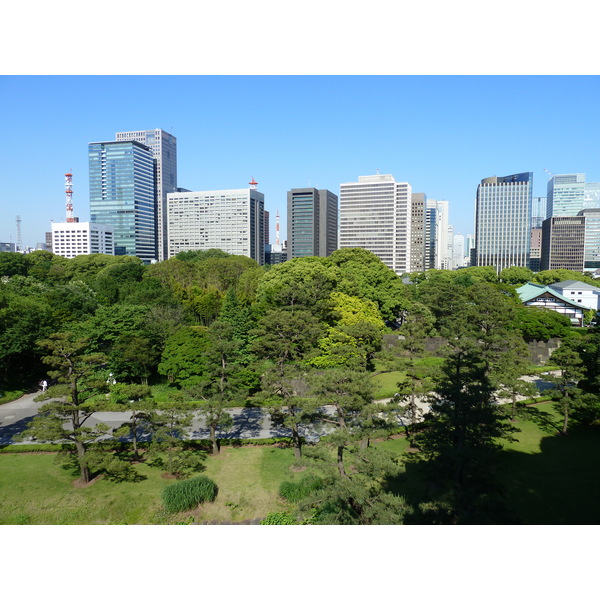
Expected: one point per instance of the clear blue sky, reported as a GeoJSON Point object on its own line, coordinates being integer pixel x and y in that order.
{"type": "Point", "coordinates": [442, 134]}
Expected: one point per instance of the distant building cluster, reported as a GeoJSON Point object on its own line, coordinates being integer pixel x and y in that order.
{"type": "Point", "coordinates": [137, 209]}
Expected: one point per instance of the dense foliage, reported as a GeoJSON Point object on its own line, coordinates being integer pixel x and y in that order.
{"type": "Point", "coordinates": [185, 495]}
{"type": "Point", "coordinates": [206, 331]}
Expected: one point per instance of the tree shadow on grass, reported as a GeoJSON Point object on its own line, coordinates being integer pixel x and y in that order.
{"type": "Point", "coordinates": [544, 420]}
{"type": "Point", "coordinates": [560, 484]}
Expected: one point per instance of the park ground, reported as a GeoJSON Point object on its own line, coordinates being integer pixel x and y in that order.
{"type": "Point", "coordinates": [549, 479]}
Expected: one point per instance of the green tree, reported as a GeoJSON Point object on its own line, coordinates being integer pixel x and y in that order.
{"type": "Point", "coordinates": [464, 423]}
{"type": "Point", "coordinates": [138, 400]}
{"type": "Point", "coordinates": [516, 275]}
{"type": "Point", "coordinates": [168, 428]}
{"type": "Point", "coordinates": [220, 390]}
{"type": "Point", "coordinates": [566, 393]}
{"type": "Point", "coordinates": [352, 418]}
{"type": "Point", "coordinates": [80, 392]}
{"type": "Point", "coordinates": [183, 360]}
{"type": "Point", "coordinates": [284, 336]}
{"type": "Point", "coordinates": [536, 323]}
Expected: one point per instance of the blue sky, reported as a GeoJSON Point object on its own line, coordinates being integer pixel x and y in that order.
{"type": "Point", "coordinates": [442, 134]}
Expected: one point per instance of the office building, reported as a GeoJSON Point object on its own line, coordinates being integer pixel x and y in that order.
{"type": "Point", "coordinates": [437, 228]}
{"type": "Point", "coordinates": [72, 239]}
{"type": "Point", "coordinates": [458, 252]}
{"type": "Point", "coordinates": [7, 247]}
{"type": "Point", "coordinates": [538, 211]}
{"type": "Point", "coordinates": [591, 252]}
{"type": "Point", "coordinates": [122, 195]}
{"type": "Point", "coordinates": [562, 243]}
{"type": "Point", "coordinates": [566, 195]}
{"type": "Point", "coordinates": [230, 220]}
{"type": "Point", "coordinates": [418, 231]}
{"type": "Point", "coordinates": [503, 221]}
{"type": "Point", "coordinates": [535, 249]}
{"type": "Point", "coordinates": [163, 146]}
{"type": "Point", "coordinates": [312, 222]}
{"type": "Point", "coordinates": [375, 214]}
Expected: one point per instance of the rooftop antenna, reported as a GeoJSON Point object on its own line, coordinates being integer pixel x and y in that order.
{"type": "Point", "coordinates": [253, 184]}
{"type": "Point", "coordinates": [551, 174]}
{"type": "Point", "coordinates": [277, 229]}
{"type": "Point", "coordinates": [69, 193]}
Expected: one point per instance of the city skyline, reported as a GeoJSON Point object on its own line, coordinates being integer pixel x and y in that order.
{"type": "Point", "coordinates": [441, 134]}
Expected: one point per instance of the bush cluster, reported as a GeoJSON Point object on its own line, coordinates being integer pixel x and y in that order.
{"type": "Point", "coordinates": [187, 494]}
{"type": "Point", "coordinates": [294, 491]}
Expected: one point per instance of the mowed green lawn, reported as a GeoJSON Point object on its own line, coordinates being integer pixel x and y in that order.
{"type": "Point", "coordinates": [550, 479]}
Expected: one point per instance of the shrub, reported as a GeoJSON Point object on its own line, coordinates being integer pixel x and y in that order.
{"type": "Point", "coordinates": [279, 518]}
{"type": "Point", "coordinates": [294, 491]}
{"type": "Point", "coordinates": [187, 494]}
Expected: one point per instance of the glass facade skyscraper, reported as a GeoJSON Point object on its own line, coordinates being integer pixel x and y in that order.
{"type": "Point", "coordinates": [122, 194]}
{"type": "Point", "coordinates": [312, 217]}
{"type": "Point", "coordinates": [503, 221]}
{"type": "Point", "coordinates": [164, 151]}
{"type": "Point", "coordinates": [566, 195]}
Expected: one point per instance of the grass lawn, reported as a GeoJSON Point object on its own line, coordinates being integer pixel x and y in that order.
{"type": "Point", "coordinates": [549, 479]}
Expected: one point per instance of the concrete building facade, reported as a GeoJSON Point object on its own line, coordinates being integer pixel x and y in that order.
{"type": "Point", "coordinates": [230, 220]}
{"type": "Point", "coordinates": [375, 214]}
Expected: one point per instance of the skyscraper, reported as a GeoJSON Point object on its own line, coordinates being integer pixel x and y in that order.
{"type": "Point", "coordinates": [563, 243]}
{"type": "Point", "coordinates": [230, 220]}
{"type": "Point", "coordinates": [122, 195]}
{"type": "Point", "coordinates": [565, 196]}
{"type": "Point", "coordinates": [418, 232]}
{"type": "Point", "coordinates": [375, 214]}
{"type": "Point", "coordinates": [437, 234]}
{"type": "Point", "coordinates": [163, 146]}
{"type": "Point", "coordinates": [591, 258]}
{"type": "Point", "coordinates": [312, 219]}
{"type": "Point", "coordinates": [503, 221]}
{"type": "Point", "coordinates": [538, 211]}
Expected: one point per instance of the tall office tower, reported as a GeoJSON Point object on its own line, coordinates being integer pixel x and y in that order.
{"type": "Point", "coordinates": [563, 241]}
{"type": "Point", "coordinates": [502, 221]}
{"type": "Point", "coordinates": [538, 211]}
{"type": "Point", "coordinates": [122, 195]}
{"type": "Point", "coordinates": [458, 251]}
{"type": "Point", "coordinates": [230, 220]}
{"type": "Point", "coordinates": [312, 219]}
{"type": "Point", "coordinates": [535, 249]}
{"type": "Point", "coordinates": [437, 234]}
{"type": "Point", "coordinates": [565, 196]}
{"type": "Point", "coordinates": [418, 231]}
{"type": "Point", "coordinates": [266, 234]}
{"type": "Point", "coordinates": [591, 253]}
{"type": "Point", "coordinates": [375, 214]}
{"type": "Point", "coordinates": [448, 262]}
{"type": "Point", "coordinates": [592, 195]}
{"type": "Point", "coordinates": [164, 152]}
{"type": "Point", "coordinates": [469, 245]}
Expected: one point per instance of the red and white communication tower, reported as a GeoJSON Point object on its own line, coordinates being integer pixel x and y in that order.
{"type": "Point", "coordinates": [69, 193]}
{"type": "Point", "coordinates": [277, 229]}
{"type": "Point", "coordinates": [253, 184]}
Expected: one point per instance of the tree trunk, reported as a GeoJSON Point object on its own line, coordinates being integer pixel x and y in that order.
{"type": "Point", "coordinates": [565, 421]}
{"type": "Point", "coordinates": [213, 439]}
{"type": "Point", "coordinates": [296, 442]}
{"type": "Point", "coordinates": [136, 456]}
{"type": "Point", "coordinates": [84, 469]}
{"type": "Point", "coordinates": [340, 461]}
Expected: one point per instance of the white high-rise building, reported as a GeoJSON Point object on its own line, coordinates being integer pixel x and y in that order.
{"type": "Point", "coordinates": [72, 239]}
{"type": "Point", "coordinates": [440, 255]}
{"type": "Point", "coordinates": [458, 251]}
{"type": "Point", "coordinates": [164, 151]}
{"type": "Point", "coordinates": [375, 214]}
{"type": "Point", "coordinates": [503, 221]}
{"type": "Point", "coordinates": [230, 220]}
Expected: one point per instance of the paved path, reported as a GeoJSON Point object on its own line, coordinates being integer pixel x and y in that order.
{"type": "Point", "coordinates": [248, 423]}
